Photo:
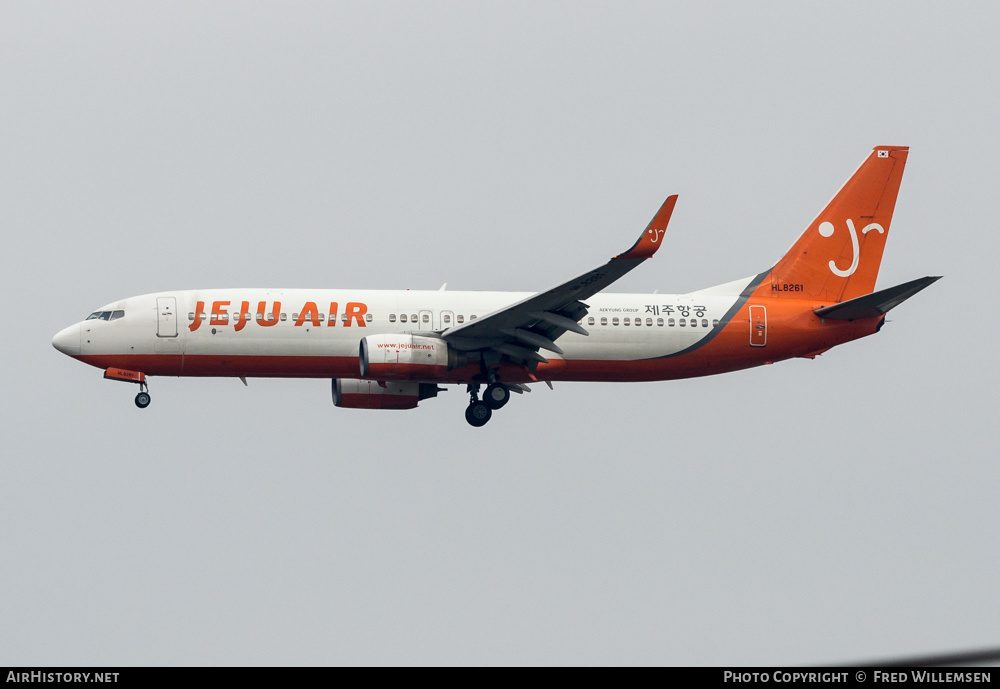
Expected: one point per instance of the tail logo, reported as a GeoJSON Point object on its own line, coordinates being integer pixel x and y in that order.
{"type": "Point", "coordinates": [656, 235]}
{"type": "Point", "coordinates": [826, 230]}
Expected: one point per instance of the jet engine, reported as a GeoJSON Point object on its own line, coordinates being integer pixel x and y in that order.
{"type": "Point", "coordinates": [404, 357]}
{"type": "Point", "coordinates": [369, 394]}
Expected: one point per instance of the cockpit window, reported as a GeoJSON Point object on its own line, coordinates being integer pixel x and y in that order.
{"type": "Point", "coordinates": [106, 315]}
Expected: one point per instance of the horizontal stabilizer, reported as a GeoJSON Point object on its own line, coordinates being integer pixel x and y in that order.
{"type": "Point", "coordinates": [875, 304]}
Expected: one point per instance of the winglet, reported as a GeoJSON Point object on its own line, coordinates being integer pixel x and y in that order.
{"type": "Point", "coordinates": [649, 240]}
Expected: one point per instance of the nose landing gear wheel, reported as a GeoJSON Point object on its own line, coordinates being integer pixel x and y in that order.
{"type": "Point", "coordinates": [497, 395]}
{"type": "Point", "coordinates": [142, 400]}
{"type": "Point", "coordinates": [477, 414]}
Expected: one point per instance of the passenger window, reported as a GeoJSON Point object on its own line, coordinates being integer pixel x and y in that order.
{"type": "Point", "coordinates": [413, 318]}
{"type": "Point", "coordinates": [704, 322]}
{"type": "Point", "coordinates": [190, 316]}
{"type": "Point", "coordinates": [604, 320]}
{"type": "Point", "coordinates": [426, 318]}
{"type": "Point", "coordinates": [614, 321]}
{"type": "Point", "coordinates": [694, 322]}
{"type": "Point", "coordinates": [670, 322]}
{"type": "Point", "coordinates": [402, 318]}
{"type": "Point", "coordinates": [368, 317]}
{"type": "Point", "coordinates": [224, 317]}
{"type": "Point", "coordinates": [625, 321]}
{"type": "Point", "coordinates": [204, 316]}
{"type": "Point", "coordinates": [649, 321]}
{"type": "Point", "coordinates": [659, 322]}
{"type": "Point", "coordinates": [715, 323]}
{"type": "Point", "coordinates": [392, 318]}
{"type": "Point", "coordinates": [460, 319]}
{"type": "Point", "coordinates": [295, 316]}
{"type": "Point", "coordinates": [682, 322]}
{"type": "Point", "coordinates": [321, 317]}
{"type": "Point", "coordinates": [260, 317]}
{"type": "Point", "coordinates": [343, 318]}
{"type": "Point", "coordinates": [447, 318]}
{"type": "Point", "coordinates": [117, 314]}
{"type": "Point", "coordinates": [472, 317]}
{"type": "Point", "coordinates": [590, 321]}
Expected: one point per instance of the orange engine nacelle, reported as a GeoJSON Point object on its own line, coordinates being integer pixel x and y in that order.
{"type": "Point", "coordinates": [403, 357]}
{"type": "Point", "coordinates": [369, 394]}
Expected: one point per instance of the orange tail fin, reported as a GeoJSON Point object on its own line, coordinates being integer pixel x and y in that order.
{"type": "Point", "coordinates": [838, 256]}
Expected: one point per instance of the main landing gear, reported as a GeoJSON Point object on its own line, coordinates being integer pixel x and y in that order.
{"type": "Point", "coordinates": [480, 411]}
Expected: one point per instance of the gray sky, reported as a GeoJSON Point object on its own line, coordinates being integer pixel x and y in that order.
{"type": "Point", "coordinates": [809, 511]}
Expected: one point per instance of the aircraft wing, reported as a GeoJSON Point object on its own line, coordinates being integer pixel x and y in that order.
{"type": "Point", "coordinates": [521, 329]}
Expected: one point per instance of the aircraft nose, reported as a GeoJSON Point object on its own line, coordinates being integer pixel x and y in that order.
{"type": "Point", "coordinates": [67, 340]}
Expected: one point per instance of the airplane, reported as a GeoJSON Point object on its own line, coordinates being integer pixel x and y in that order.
{"type": "Point", "coordinates": [394, 349]}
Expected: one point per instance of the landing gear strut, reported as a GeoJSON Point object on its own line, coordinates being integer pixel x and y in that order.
{"type": "Point", "coordinates": [478, 413]}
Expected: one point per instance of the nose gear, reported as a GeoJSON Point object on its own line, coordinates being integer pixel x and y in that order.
{"type": "Point", "coordinates": [142, 400]}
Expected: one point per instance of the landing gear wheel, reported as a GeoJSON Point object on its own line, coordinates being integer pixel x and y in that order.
{"type": "Point", "coordinates": [142, 400]}
{"type": "Point", "coordinates": [497, 395]}
{"type": "Point", "coordinates": [477, 414]}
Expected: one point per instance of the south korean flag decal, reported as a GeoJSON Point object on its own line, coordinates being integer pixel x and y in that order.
{"type": "Point", "coordinates": [883, 154]}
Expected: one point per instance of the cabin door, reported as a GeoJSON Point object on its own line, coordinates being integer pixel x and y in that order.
{"type": "Point", "coordinates": [166, 317]}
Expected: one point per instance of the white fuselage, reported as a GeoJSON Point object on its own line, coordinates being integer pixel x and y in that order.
{"type": "Point", "coordinates": [316, 332]}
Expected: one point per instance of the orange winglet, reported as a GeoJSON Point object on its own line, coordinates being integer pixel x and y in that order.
{"type": "Point", "coordinates": [649, 240]}
{"type": "Point", "coordinates": [125, 375]}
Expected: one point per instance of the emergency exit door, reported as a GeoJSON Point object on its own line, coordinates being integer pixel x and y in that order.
{"type": "Point", "coordinates": [758, 326]}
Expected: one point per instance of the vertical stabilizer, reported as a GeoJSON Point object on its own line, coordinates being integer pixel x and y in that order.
{"type": "Point", "coordinates": [838, 256]}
